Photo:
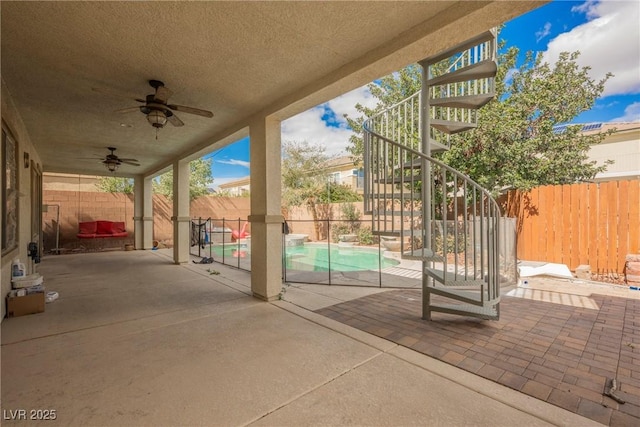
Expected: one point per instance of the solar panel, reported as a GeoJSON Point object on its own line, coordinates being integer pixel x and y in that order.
{"type": "Point", "coordinates": [559, 129]}
{"type": "Point", "coordinates": [585, 128]}
{"type": "Point", "coordinates": [592, 126]}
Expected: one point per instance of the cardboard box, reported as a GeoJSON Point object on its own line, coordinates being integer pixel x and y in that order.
{"type": "Point", "coordinates": [28, 304]}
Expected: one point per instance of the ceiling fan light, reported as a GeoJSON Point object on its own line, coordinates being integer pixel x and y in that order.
{"type": "Point", "coordinates": [157, 118]}
{"type": "Point", "coordinates": [111, 166]}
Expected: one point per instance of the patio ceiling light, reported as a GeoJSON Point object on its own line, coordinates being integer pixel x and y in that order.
{"type": "Point", "coordinates": [157, 118]}
{"type": "Point", "coordinates": [111, 165]}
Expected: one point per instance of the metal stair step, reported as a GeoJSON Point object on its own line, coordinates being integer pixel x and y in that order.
{"type": "Point", "coordinates": [486, 312]}
{"type": "Point", "coordinates": [451, 127]}
{"type": "Point", "coordinates": [396, 233]}
{"type": "Point", "coordinates": [468, 101]}
{"type": "Point", "coordinates": [386, 233]}
{"type": "Point", "coordinates": [467, 44]}
{"type": "Point", "coordinates": [398, 179]}
{"type": "Point", "coordinates": [395, 196]}
{"type": "Point", "coordinates": [422, 255]}
{"type": "Point", "coordinates": [416, 164]}
{"type": "Point", "coordinates": [471, 297]}
{"type": "Point", "coordinates": [397, 213]}
{"type": "Point", "coordinates": [480, 70]}
{"type": "Point", "coordinates": [437, 147]}
{"type": "Point", "coordinates": [448, 278]}
{"type": "Point", "coordinates": [434, 258]}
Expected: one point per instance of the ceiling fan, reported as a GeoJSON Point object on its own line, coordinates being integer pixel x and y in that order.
{"type": "Point", "coordinates": [156, 107]}
{"type": "Point", "coordinates": [112, 161]}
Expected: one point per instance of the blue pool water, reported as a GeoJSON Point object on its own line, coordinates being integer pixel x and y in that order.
{"type": "Point", "coordinates": [316, 257]}
{"type": "Point", "coordinates": [343, 258]}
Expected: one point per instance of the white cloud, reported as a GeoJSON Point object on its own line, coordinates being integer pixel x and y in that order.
{"type": "Point", "coordinates": [543, 32]}
{"type": "Point", "coordinates": [631, 114]}
{"type": "Point", "coordinates": [586, 8]}
{"type": "Point", "coordinates": [309, 125]}
{"type": "Point", "coordinates": [608, 42]}
{"type": "Point", "coordinates": [234, 162]}
{"type": "Point", "coordinates": [345, 104]}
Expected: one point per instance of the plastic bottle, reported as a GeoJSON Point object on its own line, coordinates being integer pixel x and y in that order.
{"type": "Point", "coordinates": [17, 269]}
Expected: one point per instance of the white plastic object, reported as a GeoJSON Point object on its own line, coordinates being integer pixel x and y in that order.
{"type": "Point", "coordinates": [51, 296]}
{"type": "Point", "coordinates": [26, 281]}
{"type": "Point", "coordinates": [17, 269]}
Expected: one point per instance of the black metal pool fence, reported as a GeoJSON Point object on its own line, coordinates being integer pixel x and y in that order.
{"type": "Point", "coordinates": [223, 240]}
{"type": "Point", "coordinates": [327, 251]}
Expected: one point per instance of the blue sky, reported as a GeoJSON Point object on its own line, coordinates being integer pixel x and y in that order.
{"type": "Point", "coordinates": [605, 32]}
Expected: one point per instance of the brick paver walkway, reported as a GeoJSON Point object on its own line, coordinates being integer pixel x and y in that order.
{"type": "Point", "coordinates": [561, 354]}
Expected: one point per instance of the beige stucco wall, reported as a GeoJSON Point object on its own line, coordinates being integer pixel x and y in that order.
{"type": "Point", "coordinates": [13, 122]}
{"type": "Point", "coordinates": [69, 182]}
{"type": "Point", "coordinates": [624, 153]}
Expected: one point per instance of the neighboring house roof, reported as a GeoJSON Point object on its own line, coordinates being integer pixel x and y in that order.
{"type": "Point", "coordinates": [333, 165]}
{"type": "Point", "coordinates": [340, 163]}
{"type": "Point", "coordinates": [600, 127]}
{"type": "Point", "coordinates": [236, 183]}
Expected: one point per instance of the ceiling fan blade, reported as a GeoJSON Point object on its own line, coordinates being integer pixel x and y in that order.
{"type": "Point", "coordinates": [129, 162]}
{"type": "Point", "coordinates": [174, 120]}
{"type": "Point", "coordinates": [162, 94]}
{"type": "Point", "coordinates": [191, 110]}
{"type": "Point", "coordinates": [127, 110]}
{"type": "Point", "coordinates": [115, 93]}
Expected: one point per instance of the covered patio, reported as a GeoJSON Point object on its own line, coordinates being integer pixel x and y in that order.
{"type": "Point", "coordinates": [146, 337]}
{"type": "Point", "coordinates": [165, 83]}
{"type": "Point", "coordinates": [135, 340]}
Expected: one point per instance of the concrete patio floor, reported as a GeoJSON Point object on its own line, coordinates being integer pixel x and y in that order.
{"type": "Point", "coordinates": [134, 340]}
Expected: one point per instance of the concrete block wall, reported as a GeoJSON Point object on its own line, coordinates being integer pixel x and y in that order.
{"type": "Point", "coordinates": [80, 206]}
{"type": "Point", "coordinates": [301, 220]}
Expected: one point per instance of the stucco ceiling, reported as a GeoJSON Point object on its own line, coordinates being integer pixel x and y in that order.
{"type": "Point", "coordinates": [236, 59]}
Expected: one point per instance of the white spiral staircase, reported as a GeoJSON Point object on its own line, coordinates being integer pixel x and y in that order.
{"type": "Point", "coordinates": [442, 217]}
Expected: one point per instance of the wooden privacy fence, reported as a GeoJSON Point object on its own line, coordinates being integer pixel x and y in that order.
{"type": "Point", "coordinates": [595, 224]}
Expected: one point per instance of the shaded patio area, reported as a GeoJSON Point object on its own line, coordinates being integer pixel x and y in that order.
{"type": "Point", "coordinates": [562, 352]}
{"type": "Point", "coordinates": [135, 340]}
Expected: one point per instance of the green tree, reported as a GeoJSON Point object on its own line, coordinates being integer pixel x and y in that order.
{"type": "Point", "coordinates": [304, 177]}
{"type": "Point", "coordinates": [515, 144]}
{"type": "Point", "coordinates": [199, 180]}
{"type": "Point", "coordinates": [338, 193]}
{"type": "Point", "coordinates": [305, 181]}
{"type": "Point", "coordinates": [114, 184]}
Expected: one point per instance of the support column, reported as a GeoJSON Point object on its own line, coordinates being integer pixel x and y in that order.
{"type": "Point", "coordinates": [143, 212]}
{"type": "Point", "coordinates": [425, 117]}
{"type": "Point", "coordinates": [181, 219]}
{"type": "Point", "coordinates": [266, 218]}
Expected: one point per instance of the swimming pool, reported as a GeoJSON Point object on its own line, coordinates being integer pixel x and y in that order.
{"type": "Point", "coordinates": [316, 257]}
{"type": "Point", "coordinates": [230, 250]}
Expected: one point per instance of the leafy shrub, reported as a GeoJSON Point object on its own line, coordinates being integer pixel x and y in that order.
{"type": "Point", "coordinates": [365, 237]}
{"type": "Point", "coordinates": [350, 212]}
{"type": "Point", "coordinates": [339, 229]}
{"type": "Point", "coordinates": [450, 244]}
